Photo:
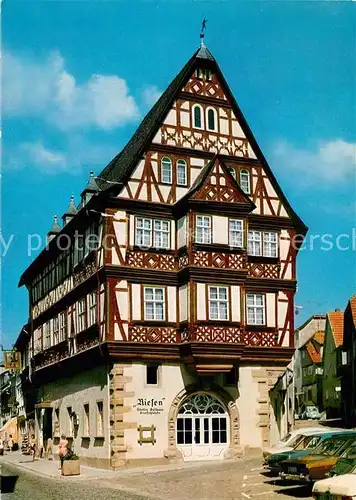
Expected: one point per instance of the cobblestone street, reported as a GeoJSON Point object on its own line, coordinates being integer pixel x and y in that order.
{"type": "Point", "coordinates": [229, 480]}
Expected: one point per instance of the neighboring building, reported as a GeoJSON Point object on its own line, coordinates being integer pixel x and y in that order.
{"type": "Point", "coordinates": [162, 342]}
{"type": "Point", "coordinates": [283, 403]}
{"type": "Point", "coordinates": [8, 405]}
{"type": "Point", "coordinates": [303, 334]}
{"type": "Point", "coordinates": [348, 367]}
{"type": "Point", "coordinates": [311, 354]}
{"type": "Point", "coordinates": [332, 360]}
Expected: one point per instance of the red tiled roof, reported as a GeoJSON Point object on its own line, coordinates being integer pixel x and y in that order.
{"type": "Point", "coordinates": [313, 353]}
{"type": "Point", "coordinates": [336, 319]}
{"type": "Point", "coordinates": [319, 337]}
{"type": "Point", "coordinates": [353, 308]}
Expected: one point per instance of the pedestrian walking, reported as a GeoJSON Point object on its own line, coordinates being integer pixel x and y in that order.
{"type": "Point", "coordinates": [33, 447]}
{"type": "Point", "coordinates": [1, 446]}
{"type": "Point", "coordinates": [10, 443]}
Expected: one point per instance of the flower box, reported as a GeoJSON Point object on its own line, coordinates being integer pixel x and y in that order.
{"type": "Point", "coordinates": [71, 468]}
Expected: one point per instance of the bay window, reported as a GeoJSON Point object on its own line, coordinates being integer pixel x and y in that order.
{"type": "Point", "coordinates": [152, 233]}
{"type": "Point", "coordinates": [218, 302]}
{"type": "Point", "coordinates": [254, 246]}
{"type": "Point", "coordinates": [154, 304]}
{"type": "Point", "coordinates": [270, 244]}
{"type": "Point", "coordinates": [81, 314]}
{"type": "Point", "coordinates": [236, 233]}
{"type": "Point", "coordinates": [263, 243]}
{"type": "Point", "coordinates": [203, 229]}
{"type": "Point", "coordinates": [256, 313]}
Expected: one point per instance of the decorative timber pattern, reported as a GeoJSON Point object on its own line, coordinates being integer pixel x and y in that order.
{"type": "Point", "coordinates": [204, 87]}
{"type": "Point", "coordinates": [220, 260]}
{"type": "Point", "coordinates": [264, 270]}
{"type": "Point", "coordinates": [217, 334]}
{"type": "Point", "coordinates": [148, 260]}
{"type": "Point", "coordinates": [184, 137]}
{"type": "Point", "coordinates": [153, 334]}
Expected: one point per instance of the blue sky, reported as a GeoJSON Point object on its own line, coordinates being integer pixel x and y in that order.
{"type": "Point", "coordinates": [80, 75]}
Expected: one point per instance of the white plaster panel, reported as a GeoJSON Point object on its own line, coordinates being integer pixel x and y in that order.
{"type": "Point", "coordinates": [220, 229]}
{"type": "Point", "coordinates": [171, 118]}
{"type": "Point", "coordinates": [201, 302]}
{"type": "Point", "coordinates": [182, 230]}
{"type": "Point", "coordinates": [132, 230]}
{"type": "Point", "coordinates": [224, 126]}
{"type": "Point", "coordinates": [136, 301]}
{"type": "Point", "coordinates": [271, 309]}
{"type": "Point", "coordinates": [183, 303]}
{"type": "Point", "coordinates": [184, 119]}
{"type": "Point", "coordinates": [235, 303]}
{"type": "Point", "coordinates": [172, 303]}
{"type": "Point", "coordinates": [122, 302]}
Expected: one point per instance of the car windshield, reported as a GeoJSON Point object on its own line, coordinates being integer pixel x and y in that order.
{"type": "Point", "coordinates": [308, 442]}
{"type": "Point", "coordinates": [350, 452]}
{"type": "Point", "coordinates": [332, 447]}
{"type": "Point", "coordinates": [295, 441]}
{"type": "Point", "coordinates": [285, 439]}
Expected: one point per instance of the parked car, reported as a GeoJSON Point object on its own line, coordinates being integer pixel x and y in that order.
{"type": "Point", "coordinates": [346, 463]}
{"type": "Point", "coordinates": [310, 413]}
{"type": "Point", "coordinates": [291, 440]}
{"type": "Point", "coordinates": [336, 488]}
{"type": "Point", "coordinates": [317, 464]}
{"type": "Point", "coordinates": [305, 446]}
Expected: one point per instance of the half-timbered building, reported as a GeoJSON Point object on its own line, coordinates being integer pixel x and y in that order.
{"type": "Point", "coordinates": [162, 311]}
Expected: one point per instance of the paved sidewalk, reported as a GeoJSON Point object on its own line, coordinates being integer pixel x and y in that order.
{"type": "Point", "coordinates": [49, 468]}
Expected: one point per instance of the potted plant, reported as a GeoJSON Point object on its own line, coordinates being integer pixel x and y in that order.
{"type": "Point", "coordinates": [71, 465]}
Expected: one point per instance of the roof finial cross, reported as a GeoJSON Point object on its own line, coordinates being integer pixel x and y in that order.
{"type": "Point", "coordinates": [203, 27]}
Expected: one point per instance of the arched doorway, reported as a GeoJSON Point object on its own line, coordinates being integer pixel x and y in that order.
{"type": "Point", "coordinates": [202, 428]}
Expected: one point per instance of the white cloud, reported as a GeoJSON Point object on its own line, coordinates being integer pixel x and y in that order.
{"type": "Point", "coordinates": [77, 152]}
{"type": "Point", "coordinates": [330, 162]}
{"type": "Point", "coordinates": [151, 94]}
{"type": "Point", "coordinates": [47, 90]}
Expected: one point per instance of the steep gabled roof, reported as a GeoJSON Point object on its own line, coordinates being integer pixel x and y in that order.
{"type": "Point", "coordinates": [336, 320]}
{"type": "Point", "coordinates": [314, 354]}
{"type": "Point", "coordinates": [124, 163]}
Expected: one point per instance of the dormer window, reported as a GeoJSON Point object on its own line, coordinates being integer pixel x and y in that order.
{"type": "Point", "coordinates": [166, 170]}
{"type": "Point", "coordinates": [245, 181]}
{"type": "Point", "coordinates": [197, 116]}
{"type": "Point", "coordinates": [211, 119]}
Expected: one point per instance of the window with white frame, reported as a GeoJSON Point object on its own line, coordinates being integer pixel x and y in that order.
{"type": "Point", "coordinates": [254, 244]}
{"type": "Point", "coordinates": [81, 314]}
{"type": "Point", "coordinates": [154, 304]}
{"type": "Point", "coordinates": [232, 171]}
{"type": "Point", "coordinates": [166, 170]}
{"type": "Point", "coordinates": [218, 302]}
{"type": "Point", "coordinates": [236, 233]}
{"type": "Point", "coordinates": [161, 233]}
{"type": "Point", "coordinates": [62, 326]}
{"type": "Point", "coordinates": [256, 312]}
{"type": "Point", "coordinates": [211, 119]}
{"type": "Point", "coordinates": [270, 244]}
{"type": "Point", "coordinates": [181, 173]}
{"type": "Point", "coordinates": [143, 235]}
{"type": "Point", "coordinates": [203, 229]}
{"type": "Point", "coordinates": [86, 426]}
{"type": "Point", "coordinates": [55, 330]}
{"type": "Point", "coordinates": [92, 308]}
{"type": "Point", "coordinates": [263, 243]}
{"type": "Point", "coordinates": [154, 233]}
{"type": "Point", "coordinates": [99, 418]}
{"type": "Point", "coordinates": [245, 181]}
{"type": "Point", "coordinates": [47, 334]}
{"type": "Point", "coordinates": [197, 117]}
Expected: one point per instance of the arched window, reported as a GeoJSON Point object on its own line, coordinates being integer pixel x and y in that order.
{"type": "Point", "coordinates": [181, 173]}
{"type": "Point", "coordinates": [197, 117]}
{"type": "Point", "coordinates": [245, 181]}
{"type": "Point", "coordinates": [211, 119]}
{"type": "Point", "coordinates": [232, 171]}
{"type": "Point", "coordinates": [166, 170]}
{"type": "Point", "coordinates": [202, 404]}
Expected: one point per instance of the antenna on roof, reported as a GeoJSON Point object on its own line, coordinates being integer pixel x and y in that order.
{"type": "Point", "coordinates": [203, 27]}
